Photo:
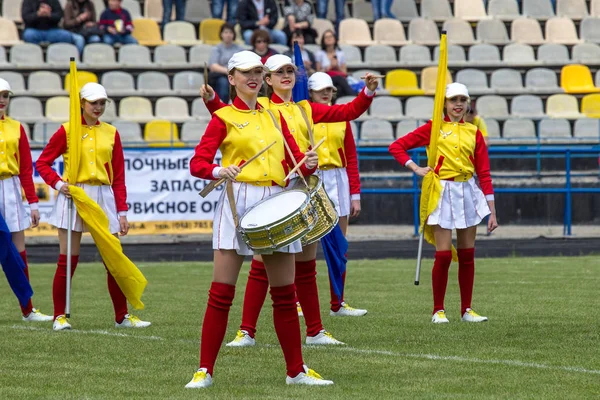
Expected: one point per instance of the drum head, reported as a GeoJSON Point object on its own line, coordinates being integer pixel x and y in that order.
{"type": "Point", "coordinates": [273, 209]}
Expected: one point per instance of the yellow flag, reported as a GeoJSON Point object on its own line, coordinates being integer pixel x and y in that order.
{"type": "Point", "coordinates": [431, 188]}
{"type": "Point", "coordinates": [74, 134]}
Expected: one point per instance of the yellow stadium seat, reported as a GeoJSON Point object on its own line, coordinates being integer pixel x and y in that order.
{"type": "Point", "coordinates": [57, 108]}
{"type": "Point", "coordinates": [162, 133]}
{"type": "Point", "coordinates": [83, 77]}
{"type": "Point", "coordinates": [209, 30]}
{"type": "Point", "coordinates": [429, 78]}
{"type": "Point", "coordinates": [562, 106]}
{"type": "Point", "coordinates": [577, 78]}
{"type": "Point", "coordinates": [402, 82]}
{"type": "Point", "coordinates": [147, 32]}
{"type": "Point", "coordinates": [590, 105]}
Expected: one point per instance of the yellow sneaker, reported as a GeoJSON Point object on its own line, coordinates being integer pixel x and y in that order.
{"type": "Point", "coordinates": [201, 379]}
{"type": "Point", "coordinates": [308, 377]}
{"type": "Point", "coordinates": [439, 317]}
{"type": "Point", "coordinates": [472, 316]}
{"type": "Point", "coordinates": [242, 339]}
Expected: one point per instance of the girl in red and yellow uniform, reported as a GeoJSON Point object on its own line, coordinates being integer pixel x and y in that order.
{"type": "Point", "coordinates": [240, 131]}
{"type": "Point", "coordinates": [461, 152]}
{"type": "Point", "coordinates": [16, 170]}
{"type": "Point", "coordinates": [102, 176]}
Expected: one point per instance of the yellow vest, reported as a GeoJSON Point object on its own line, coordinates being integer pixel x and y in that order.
{"type": "Point", "coordinates": [332, 152]}
{"type": "Point", "coordinates": [456, 144]}
{"type": "Point", "coordinates": [95, 162]}
{"type": "Point", "coordinates": [248, 132]}
{"type": "Point", "coordinates": [293, 118]}
{"type": "Point", "coordinates": [10, 134]}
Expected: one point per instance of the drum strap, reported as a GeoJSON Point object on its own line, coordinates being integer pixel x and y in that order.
{"type": "Point", "coordinates": [311, 137]}
{"type": "Point", "coordinates": [231, 198]}
{"type": "Point", "coordinates": [289, 151]}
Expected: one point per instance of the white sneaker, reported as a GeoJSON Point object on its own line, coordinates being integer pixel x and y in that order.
{"type": "Point", "coordinates": [472, 316]}
{"type": "Point", "coordinates": [131, 321]}
{"type": "Point", "coordinates": [299, 308]}
{"type": "Point", "coordinates": [323, 338]}
{"type": "Point", "coordinates": [347, 311]}
{"type": "Point", "coordinates": [36, 316]}
{"type": "Point", "coordinates": [61, 322]}
{"type": "Point", "coordinates": [439, 317]}
{"type": "Point", "coordinates": [242, 339]}
{"type": "Point", "coordinates": [201, 379]}
{"type": "Point", "coordinates": [308, 377]}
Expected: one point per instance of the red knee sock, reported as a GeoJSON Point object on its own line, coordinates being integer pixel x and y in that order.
{"type": "Point", "coordinates": [287, 327]}
{"type": "Point", "coordinates": [466, 276]}
{"type": "Point", "coordinates": [439, 278]}
{"type": "Point", "coordinates": [59, 286]}
{"type": "Point", "coordinates": [220, 298]}
{"type": "Point", "coordinates": [308, 295]}
{"type": "Point", "coordinates": [29, 307]}
{"type": "Point", "coordinates": [254, 298]}
{"type": "Point", "coordinates": [336, 303]}
{"type": "Point", "coordinates": [118, 298]}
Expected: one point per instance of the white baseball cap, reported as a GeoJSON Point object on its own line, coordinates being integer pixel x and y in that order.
{"type": "Point", "coordinates": [244, 61]}
{"type": "Point", "coordinates": [278, 61]}
{"type": "Point", "coordinates": [5, 86]}
{"type": "Point", "coordinates": [92, 91]}
{"type": "Point", "coordinates": [456, 89]}
{"type": "Point", "coordinates": [319, 81]}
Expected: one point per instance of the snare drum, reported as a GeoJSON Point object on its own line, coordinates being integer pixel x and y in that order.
{"type": "Point", "coordinates": [328, 217]}
{"type": "Point", "coordinates": [278, 220]}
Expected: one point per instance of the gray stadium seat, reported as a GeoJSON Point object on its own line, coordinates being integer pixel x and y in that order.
{"type": "Point", "coordinates": [352, 54]}
{"type": "Point", "coordinates": [281, 48]}
{"type": "Point", "coordinates": [555, 130]}
{"type": "Point", "coordinates": [519, 130]}
{"type": "Point", "coordinates": [482, 54]}
{"type": "Point", "coordinates": [99, 54]}
{"type": "Point", "coordinates": [15, 80]}
{"type": "Point", "coordinates": [456, 54]}
{"type": "Point", "coordinates": [188, 82]}
{"type": "Point", "coordinates": [470, 10]}
{"type": "Point", "coordinates": [518, 53]}
{"type": "Point", "coordinates": [181, 33]}
{"type": "Point", "coordinates": [587, 129]}
{"type": "Point", "coordinates": [26, 109]}
{"type": "Point", "coordinates": [344, 99]}
{"type": "Point", "coordinates": [419, 107]}
{"type": "Point", "coordinates": [386, 107]}
{"type": "Point", "coordinates": [135, 55]}
{"type": "Point", "coordinates": [492, 31]}
{"type": "Point", "coordinates": [459, 31]}
{"type": "Point", "coordinates": [538, 9]}
{"type": "Point", "coordinates": [199, 110]}
{"type": "Point", "coordinates": [506, 80]}
{"type": "Point", "coordinates": [493, 128]}
{"type": "Point", "coordinates": [423, 31]}
{"type": "Point", "coordinates": [45, 82]}
{"type": "Point", "coordinates": [170, 55]}
{"type": "Point", "coordinates": [574, 9]}
{"type": "Point", "coordinates": [597, 79]}
{"type": "Point", "coordinates": [589, 30]}
{"type": "Point", "coordinates": [118, 83]}
{"type": "Point", "coordinates": [135, 108]}
{"type": "Point", "coordinates": [133, 6]}
{"type": "Point", "coordinates": [43, 131]}
{"type": "Point", "coordinates": [110, 112]}
{"type": "Point", "coordinates": [192, 131]}
{"type": "Point", "coordinates": [130, 132]}
{"type": "Point", "coordinates": [172, 109]}
{"type": "Point", "coordinates": [27, 54]}
{"type": "Point", "coordinates": [154, 83]}
{"type": "Point", "coordinates": [542, 80]}
{"type": "Point", "coordinates": [362, 10]}
{"type": "Point", "coordinates": [437, 10]}
{"type": "Point", "coordinates": [492, 106]}
{"type": "Point", "coordinates": [586, 53]}
{"type": "Point", "coordinates": [355, 132]}
{"type": "Point", "coordinates": [415, 54]}
{"type": "Point", "coordinates": [475, 80]}
{"type": "Point", "coordinates": [406, 126]}
{"type": "Point", "coordinates": [527, 106]}
{"type": "Point", "coordinates": [404, 10]}
{"type": "Point", "coordinates": [595, 8]}
{"type": "Point", "coordinates": [553, 53]}
{"type": "Point", "coordinates": [376, 131]}
{"type": "Point", "coordinates": [505, 10]}
{"type": "Point", "coordinates": [59, 54]}
{"type": "Point", "coordinates": [381, 56]}
{"type": "Point", "coordinates": [3, 58]}
{"type": "Point", "coordinates": [197, 10]}
{"type": "Point", "coordinates": [200, 54]}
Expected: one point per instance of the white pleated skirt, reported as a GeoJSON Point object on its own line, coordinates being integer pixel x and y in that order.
{"type": "Point", "coordinates": [225, 234]}
{"type": "Point", "coordinates": [461, 205]}
{"type": "Point", "coordinates": [103, 195]}
{"type": "Point", "coordinates": [337, 187]}
{"type": "Point", "coordinates": [11, 205]}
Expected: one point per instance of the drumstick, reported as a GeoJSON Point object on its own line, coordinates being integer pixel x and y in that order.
{"type": "Point", "coordinates": [206, 76]}
{"type": "Point", "coordinates": [210, 187]}
{"type": "Point", "coordinates": [374, 76]}
{"type": "Point", "coordinates": [303, 160]}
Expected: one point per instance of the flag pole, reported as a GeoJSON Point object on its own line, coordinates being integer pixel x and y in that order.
{"type": "Point", "coordinates": [70, 200]}
{"type": "Point", "coordinates": [419, 256]}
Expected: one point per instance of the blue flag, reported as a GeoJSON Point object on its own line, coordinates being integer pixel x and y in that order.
{"type": "Point", "coordinates": [300, 90]}
{"type": "Point", "coordinates": [13, 266]}
{"type": "Point", "coordinates": [335, 247]}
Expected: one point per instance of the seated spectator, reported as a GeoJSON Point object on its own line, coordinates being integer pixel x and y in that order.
{"type": "Point", "coordinates": [116, 24]}
{"type": "Point", "coordinates": [259, 14]}
{"type": "Point", "coordinates": [219, 57]}
{"type": "Point", "coordinates": [41, 18]}
{"type": "Point", "coordinates": [218, 6]}
{"type": "Point", "coordinates": [323, 5]}
{"type": "Point", "coordinates": [168, 10]}
{"type": "Point", "coordinates": [80, 19]}
{"type": "Point", "coordinates": [308, 58]}
{"type": "Point", "coordinates": [299, 16]}
{"type": "Point", "coordinates": [260, 41]}
{"type": "Point", "coordinates": [332, 61]}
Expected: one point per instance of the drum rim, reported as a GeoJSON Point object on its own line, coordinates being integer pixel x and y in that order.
{"type": "Point", "coordinates": [302, 207]}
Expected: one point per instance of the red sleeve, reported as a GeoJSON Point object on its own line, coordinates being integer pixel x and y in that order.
{"type": "Point", "coordinates": [417, 138]}
{"type": "Point", "coordinates": [341, 112]}
{"type": "Point", "coordinates": [202, 163]}
{"type": "Point", "coordinates": [56, 147]}
{"type": "Point", "coordinates": [298, 155]}
{"type": "Point", "coordinates": [351, 161]}
{"type": "Point", "coordinates": [26, 168]}
{"type": "Point", "coordinates": [215, 104]}
{"type": "Point", "coordinates": [482, 165]}
{"type": "Point", "coordinates": [118, 167]}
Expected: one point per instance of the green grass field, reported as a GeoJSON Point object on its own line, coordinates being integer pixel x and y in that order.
{"type": "Point", "coordinates": [542, 340]}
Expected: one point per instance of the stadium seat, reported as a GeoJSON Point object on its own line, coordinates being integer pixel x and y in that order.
{"type": "Point", "coordinates": [110, 112]}
{"type": "Point", "coordinates": [209, 31]}
{"type": "Point", "coordinates": [83, 77]}
{"type": "Point", "coordinates": [355, 32]}
{"type": "Point", "coordinates": [459, 31]}
{"type": "Point", "coordinates": [147, 32]}
{"type": "Point", "coordinates": [43, 131]}
{"type": "Point", "coordinates": [577, 78]}
{"type": "Point", "coordinates": [519, 130]}
{"type": "Point", "coordinates": [381, 56]}
{"type": "Point", "coordinates": [199, 110]}
{"type": "Point", "coordinates": [586, 53]}
{"type": "Point", "coordinates": [118, 83]}
{"type": "Point", "coordinates": [3, 58]}
{"type": "Point", "coordinates": [27, 55]}
{"type": "Point", "coordinates": [389, 31]}
{"type": "Point", "coordinates": [423, 31]}
{"type": "Point", "coordinates": [57, 108]}
{"type": "Point", "coordinates": [405, 10]}
{"type": "Point", "coordinates": [181, 33]}
{"type": "Point", "coordinates": [587, 129]}
{"type": "Point", "coordinates": [11, 10]}
{"type": "Point", "coordinates": [174, 108]}
{"type": "Point", "coordinates": [170, 55]}
{"type": "Point", "coordinates": [437, 10]}
{"type": "Point", "coordinates": [507, 81]}
{"type": "Point", "coordinates": [133, 6]}
{"type": "Point", "coordinates": [44, 83]}
{"type": "Point", "coordinates": [589, 30]}
{"type": "Point", "coordinates": [353, 56]}
{"type": "Point", "coordinates": [135, 55]}
{"type": "Point", "coordinates": [154, 83]}
{"type": "Point", "coordinates": [527, 106]}
{"type": "Point", "coordinates": [99, 6]}
{"type": "Point", "coordinates": [419, 107]}
{"type": "Point", "coordinates": [188, 82]}
{"type": "Point", "coordinates": [130, 132]}
{"type": "Point", "coordinates": [470, 10]}
{"type": "Point", "coordinates": [135, 109]}
{"type": "Point", "coordinates": [492, 31]}
{"type": "Point", "coordinates": [406, 126]}
{"type": "Point", "coordinates": [526, 30]}
{"type": "Point", "coordinates": [59, 54]}
{"type": "Point", "coordinates": [590, 105]}
{"type": "Point", "coordinates": [538, 9]}
{"type": "Point", "coordinates": [429, 78]}
{"type": "Point", "coordinates": [415, 54]}
{"type": "Point", "coordinates": [402, 82]}
{"type": "Point", "coordinates": [376, 131]}
{"type": "Point", "coordinates": [321, 25]}
{"type": "Point", "coordinates": [280, 48]}
{"type": "Point", "coordinates": [386, 107]}
{"type": "Point", "coordinates": [362, 10]}
{"type": "Point", "coordinates": [344, 99]}
{"type": "Point", "coordinates": [493, 128]}
{"type": "Point", "coordinates": [27, 132]}
{"type": "Point", "coordinates": [9, 35]}
{"type": "Point", "coordinates": [99, 54]}
{"type": "Point", "coordinates": [553, 53]}
{"type": "Point", "coordinates": [197, 10]}
{"type": "Point", "coordinates": [492, 106]}
{"type": "Point", "coordinates": [595, 8]}
{"type": "Point", "coordinates": [555, 130]}
{"type": "Point", "coordinates": [15, 80]}
{"type": "Point", "coordinates": [573, 9]}
{"type": "Point", "coordinates": [355, 132]}
{"type": "Point", "coordinates": [505, 10]}
{"type": "Point", "coordinates": [561, 30]}
{"type": "Point", "coordinates": [25, 109]}
{"type": "Point", "coordinates": [482, 54]}
{"type": "Point", "coordinates": [542, 81]}
{"type": "Point", "coordinates": [162, 133]}
{"type": "Point", "coordinates": [562, 106]}
{"type": "Point", "coordinates": [200, 54]}
{"type": "Point", "coordinates": [192, 131]}
{"type": "Point", "coordinates": [456, 54]}
{"type": "Point", "coordinates": [475, 80]}
{"type": "Point", "coordinates": [153, 9]}
{"type": "Point", "coordinates": [518, 53]}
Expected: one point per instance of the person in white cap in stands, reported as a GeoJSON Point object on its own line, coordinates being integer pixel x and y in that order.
{"type": "Point", "coordinates": [102, 176]}
{"type": "Point", "coordinates": [228, 131]}
{"type": "Point", "coordinates": [16, 171]}
{"type": "Point", "coordinates": [463, 204]}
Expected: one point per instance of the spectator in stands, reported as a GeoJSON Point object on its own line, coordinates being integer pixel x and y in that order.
{"type": "Point", "coordinates": [168, 9]}
{"type": "Point", "coordinates": [478, 121]}
{"type": "Point", "coordinates": [260, 14]}
{"type": "Point", "coordinates": [323, 5]}
{"type": "Point", "coordinates": [80, 19]}
{"type": "Point", "coordinates": [218, 6]}
{"type": "Point", "coordinates": [299, 16]}
{"type": "Point", "coordinates": [382, 9]}
{"type": "Point", "coordinates": [330, 59]}
{"type": "Point", "coordinates": [117, 25]}
{"type": "Point", "coordinates": [219, 57]}
{"type": "Point", "coordinates": [41, 18]}
{"type": "Point", "coordinates": [260, 41]}
{"type": "Point", "coordinates": [308, 57]}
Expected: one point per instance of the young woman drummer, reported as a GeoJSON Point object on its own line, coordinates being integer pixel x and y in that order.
{"type": "Point", "coordinates": [281, 79]}
{"type": "Point", "coordinates": [463, 204]}
{"type": "Point", "coordinates": [102, 176]}
{"type": "Point", "coordinates": [240, 131]}
{"type": "Point", "coordinates": [16, 170]}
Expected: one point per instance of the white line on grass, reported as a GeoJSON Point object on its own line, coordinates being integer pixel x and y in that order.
{"type": "Point", "coordinates": [92, 332]}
